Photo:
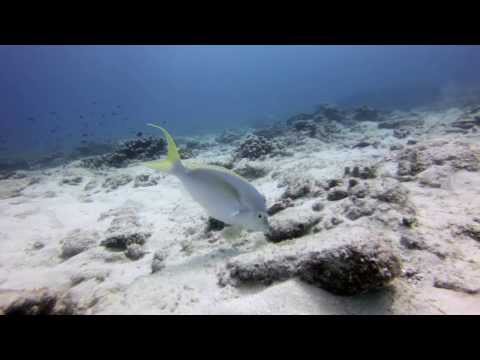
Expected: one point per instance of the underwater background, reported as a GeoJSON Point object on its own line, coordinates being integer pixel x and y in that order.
{"type": "Point", "coordinates": [55, 97]}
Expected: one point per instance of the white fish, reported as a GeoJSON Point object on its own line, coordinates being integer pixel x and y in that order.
{"type": "Point", "coordinates": [225, 195]}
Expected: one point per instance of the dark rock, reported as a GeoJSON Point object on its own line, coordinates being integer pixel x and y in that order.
{"type": "Point", "coordinates": [333, 183]}
{"type": "Point", "coordinates": [358, 209]}
{"type": "Point", "coordinates": [144, 149]}
{"type": "Point", "coordinates": [350, 269]}
{"type": "Point", "coordinates": [214, 225]}
{"type": "Point", "coordinates": [472, 231]}
{"type": "Point", "coordinates": [337, 194]}
{"type": "Point", "coordinates": [291, 229]}
{"type": "Point", "coordinates": [318, 206]}
{"type": "Point", "coordinates": [185, 153]}
{"type": "Point", "coordinates": [144, 180]}
{"type": "Point", "coordinates": [279, 206]}
{"type": "Point", "coordinates": [37, 245]}
{"type": "Point", "coordinates": [254, 147]}
{"type": "Point", "coordinates": [134, 252]}
{"type": "Point", "coordinates": [264, 273]}
{"type": "Point", "coordinates": [34, 302]}
{"type": "Point", "coordinates": [396, 147]}
{"type": "Point", "coordinates": [297, 190]}
{"type": "Point", "coordinates": [366, 113]}
{"type": "Point", "coordinates": [401, 133]}
{"type": "Point", "coordinates": [412, 243]}
{"type": "Point", "coordinates": [346, 172]}
{"type": "Point", "coordinates": [465, 124]}
{"type": "Point", "coordinates": [358, 191]}
{"type": "Point", "coordinates": [72, 180]}
{"type": "Point", "coordinates": [409, 222]}
{"type": "Point", "coordinates": [411, 142]}
{"type": "Point", "coordinates": [352, 183]}
{"type": "Point", "coordinates": [114, 182]}
{"type": "Point", "coordinates": [361, 144]}
{"type": "Point", "coordinates": [122, 241]}
{"type": "Point", "coordinates": [345, 270]}
{"type": "Point", "coordinates": [300, 117]}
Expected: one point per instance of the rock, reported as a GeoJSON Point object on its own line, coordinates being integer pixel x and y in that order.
{"type": "Point", "coordinates": [352, 183]}
{"type": "Point", "coordinates": [270, 132]}
{"type": "Point", "coordinates": [185, 153]}
{"type": "Point", "coordinates": [300, 117]}
{"type": "Point", "coordinates": [227, 137]}
{"type": "Point", "coordinates": [34, 302]}
{"type": "Point", "coordinates": [457, 155]}
{"type": "Point", "coordinates": [144, 149]}
{"type": "Point", "coordinates": [291, 229]}
{"type": "Point", "coordinates": [254, 147]}
{"type": "Point", "coordinates": [72, 180]}
{"type": "Point", "coordinates": [466, 125]}
{"type": "Point", "coordinates": [264, 273]}
{"type": "Point", "coordinates": [114, 182]}
{"type": "Point", "coordinates": [401, 133]}
{"type": "Point", "coordinates": [318, 206]}
{"type": "Point", "coordinates": [329, 112]}
{"type": "Point", "coordinates": [307, 126]}
{"type": "Point", "coordinates": [411, 142]}
{"type": "Point", "coordinates": [78, 241]}
{"type": "Point", "coordinates": [455, 286]}
{"type": "Point", "coordinates": [279, 206]}
{"type": "Point", "coordinates": [251, 172]}
{"type": "Point", "coordinates": [344, 270]}
{"type": "Point", "coordinates": [158, 262]}
{"type": "Point", "coordinates": [472, 231]}
{"type": "Point", "coordinates": [297, 189]}
{"type": "Point", "coordinates": [92, 184]}
{"type": "Point", "coordinates": [434, 177]}
{"type": "Point", "coordinates": [396, 147]}
{"type": "Point", "coordinates": [409, 222]}
{"type": "Point", "coordinates": [390, 191]}
{"type": "Point", "coordinates": [401, 123]}
{"type": "Point", "coordinates": [361, 144]}
{"type": "Point", "coordinates": [366, 113]}
{"type": "Point", "coordinates": [358, 209]}
{"type": "Point", "coordinates": [144, 180]}
{"type": "Point", "coordinates": [214, 225]}
{"type": "Point", "coordinates": [412, 243]}
{"type": "Point", "coordinates": [337, 194]}
{"type": "Point", "coordinates": [123, 241]}
{"type": "Point", "coordinates": [358, 190]}
{"type": "Point", "coordinates": [350, 269]}
{"type": "Point", "coordinates": [37, 245]}
{"type": "Point", "coordinates": [134, 251]}
{"type": "Point", "coordinates": [368, 172]}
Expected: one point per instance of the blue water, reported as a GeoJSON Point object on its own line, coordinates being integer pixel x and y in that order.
{"type": "Point", "coordinates": [110, 92]}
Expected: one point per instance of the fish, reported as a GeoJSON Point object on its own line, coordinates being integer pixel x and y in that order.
{"type": "Point", "coordinates": [224, 195]}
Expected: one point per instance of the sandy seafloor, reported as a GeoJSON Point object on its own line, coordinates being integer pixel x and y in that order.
{"type": "Point", "coordinates": [39, 212]}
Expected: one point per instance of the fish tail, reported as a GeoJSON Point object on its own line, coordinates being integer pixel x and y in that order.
{"type": "Point", "coordinates": [173, 162]}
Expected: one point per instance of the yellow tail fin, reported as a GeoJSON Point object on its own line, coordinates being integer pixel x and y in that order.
{"type": "Point", "coordinates": [172, 154]}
